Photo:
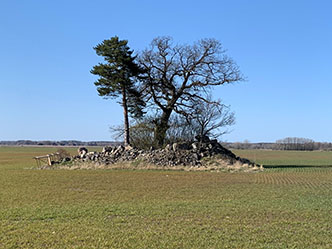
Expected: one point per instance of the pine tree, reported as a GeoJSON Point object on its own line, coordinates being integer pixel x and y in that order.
{"type": "Point", "coordinates": [117, 78]}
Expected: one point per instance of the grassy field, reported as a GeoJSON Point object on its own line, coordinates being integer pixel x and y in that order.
{"type": "Point", "coordinates": [287, 206]}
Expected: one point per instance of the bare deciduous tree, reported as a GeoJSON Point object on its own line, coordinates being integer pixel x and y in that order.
{"type": "Point", "coordinates": [179, 76]}
{"type": "Point", "coordinates": [211, 119]}
{"type": "Point", "coordinates": [295, 143]}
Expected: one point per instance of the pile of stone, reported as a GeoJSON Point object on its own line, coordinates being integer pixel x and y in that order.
{"type": "Point", "coordinates": [195, 154]}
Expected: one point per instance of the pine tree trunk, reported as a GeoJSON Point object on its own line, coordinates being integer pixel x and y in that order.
{"type": "Point", "coordinates": [125, 116]}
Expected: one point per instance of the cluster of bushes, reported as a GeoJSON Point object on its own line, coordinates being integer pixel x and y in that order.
{"type": "Point", "coordinates": [289, 143]}
{"type": "Point", "coordinates": [56, 143]}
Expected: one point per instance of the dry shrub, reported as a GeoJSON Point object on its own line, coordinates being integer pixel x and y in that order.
{"type": "Point", "coordinates": [63, 153]}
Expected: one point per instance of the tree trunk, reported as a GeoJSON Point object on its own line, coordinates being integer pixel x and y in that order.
{"type": "Point", "coordinates": [125, 116]}
{"type": "Point", "coordinates": [162, 127]}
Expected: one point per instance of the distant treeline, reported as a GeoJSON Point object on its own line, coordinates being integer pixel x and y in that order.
{"type": "Point", "coordinates": [289, 143]}
{"type": "Point", "coordinates": [57, 143]}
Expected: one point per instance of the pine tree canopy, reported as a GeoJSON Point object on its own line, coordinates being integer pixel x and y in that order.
{"type": "Point", "coordinates": [118, 73]}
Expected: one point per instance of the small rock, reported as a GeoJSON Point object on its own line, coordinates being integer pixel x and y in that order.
{"type": "Point", "coordinates": [107, 149]}
{"type": "Point", "coordinates": [119, 149]}
{"type": "Point", "coordinates": [128, 147]}
{"type": "Point", "coordinates": [194, 146]}
{"type": "Point", "coordinates": [168, 147]}
{"type": "Point", "coordinates": [82, 151]}
{"type": "Point", "coordinates": [175, 146]}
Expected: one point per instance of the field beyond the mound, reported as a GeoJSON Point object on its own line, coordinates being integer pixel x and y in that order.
{"type": "Point", "coordinates": [289, 205]}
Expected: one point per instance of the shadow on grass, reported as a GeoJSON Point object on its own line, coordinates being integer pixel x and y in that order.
{"type": "Point", "coordinates": [295, 166]}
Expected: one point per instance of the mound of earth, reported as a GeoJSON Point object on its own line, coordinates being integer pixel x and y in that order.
{"type": "Point", "coordinates": [206, 155]}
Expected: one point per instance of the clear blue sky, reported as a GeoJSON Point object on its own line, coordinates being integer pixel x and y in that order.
{"type": "Point", "coordinates": [284, 48]}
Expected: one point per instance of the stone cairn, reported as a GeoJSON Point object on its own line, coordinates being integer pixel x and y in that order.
{"type": "Point", "coordinates": [177, 154]}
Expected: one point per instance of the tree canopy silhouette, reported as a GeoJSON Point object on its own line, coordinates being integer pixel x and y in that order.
{"type": "Point", "coordinates": [177, 77]}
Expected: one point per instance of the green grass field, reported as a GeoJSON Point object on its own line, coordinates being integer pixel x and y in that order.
{"type": "Point", "coordinates": [289, 205]}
